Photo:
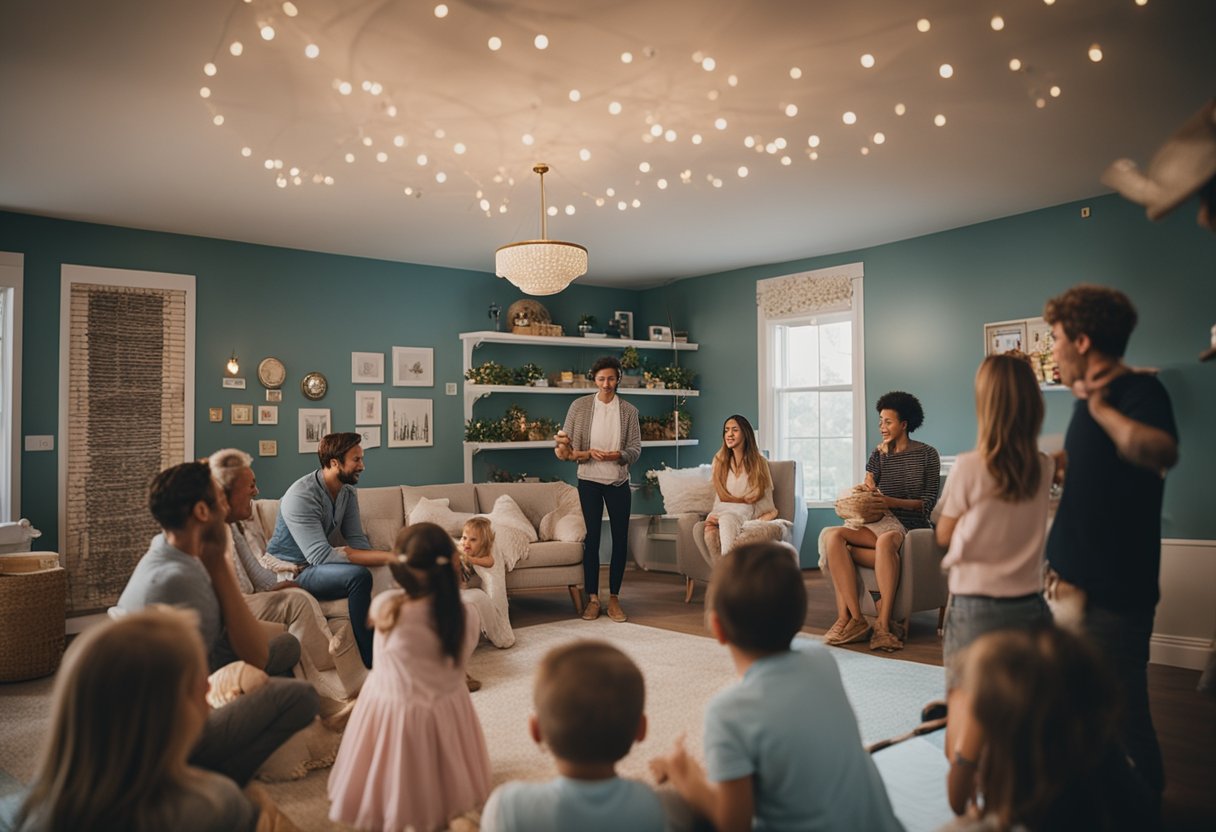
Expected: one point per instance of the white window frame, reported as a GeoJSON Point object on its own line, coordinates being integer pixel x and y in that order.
{"type": "Point", "coordinates": [12, 280]}
{"type": "Point", "coordinates": [766, 351]}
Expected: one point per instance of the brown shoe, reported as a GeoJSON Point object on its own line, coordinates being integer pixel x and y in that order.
{"type": "Point", "coordinates": [614, 610]}
{"type": "Point", "coordinates": [832, 636]}
{"type": "Point", "coordinates": [471, 683]}
{"type": "Point", "coordinates": [885, 640]}
{"type": "Point", "coordinates": [592, 610]}
{"type": "Point", "coordinates": [856, 630]}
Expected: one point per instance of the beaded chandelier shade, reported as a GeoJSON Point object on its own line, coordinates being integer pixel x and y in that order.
{"type": "Point", "coordinates": [544, 266]}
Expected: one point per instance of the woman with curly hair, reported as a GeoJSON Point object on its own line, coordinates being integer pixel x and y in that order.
{"type": "Point", "coordinates": [906, 474]}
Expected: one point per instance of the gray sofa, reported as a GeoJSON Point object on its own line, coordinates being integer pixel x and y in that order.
{"type": "Point", "coordinates": [692, 555]}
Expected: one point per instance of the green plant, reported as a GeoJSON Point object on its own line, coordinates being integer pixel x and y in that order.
{"type": "Point", "coordinates": [486, 430]}
{"type": "Point", "coordinates": [528, 373]}
{"type": "Point", "coordinates": [586, 320]}
{"type": "Point", "coordinates": [630, 360]}
{"type": "Point", "coordinates": [491, 372]}
{"type": "Point", "coordinates": [676, 378]}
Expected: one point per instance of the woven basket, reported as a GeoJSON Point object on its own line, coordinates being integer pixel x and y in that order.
{"type": "Point", "coordinates": [859, 507]}
{"type": "Point", "coordinates": [32, 610]}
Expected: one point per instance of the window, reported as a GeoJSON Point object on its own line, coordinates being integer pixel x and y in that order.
{"type": "Point", "coordinates": [812, 392]}
{"type": "Point", "coordinates": [11, 279]}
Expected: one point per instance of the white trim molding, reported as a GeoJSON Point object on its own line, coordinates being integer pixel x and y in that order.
{"type": "Point", "coordinates": [1184, 631]}
{"type": "Point", "coordinates": [12, 281]}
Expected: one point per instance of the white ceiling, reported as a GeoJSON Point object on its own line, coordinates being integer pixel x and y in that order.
{"type": "Point", "coordinates": [102, 120]}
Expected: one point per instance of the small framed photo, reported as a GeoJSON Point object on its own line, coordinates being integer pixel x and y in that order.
{"type": "Point", "coordinates": [242, 414]}
{"type": "Point", "coordinates": [624, 323]}
{"type": "Point", "coordinates": [413, 367]}
{"type": "Point", "coordinates": [1003, 336]}
{"type": "Point", "coordinates": [234, 383]}
{"type": "Point", "coordinates": [410, 423]}
{"type": "Point", "coordinates": [274, 395]}
{"type": "Point", "coordinates": [660, 333]}
{"type": "Point", "coordinates": [215, 414]}
{"type": "Point", "coordinates": [314, 424]}
{"type": "Point", "coordinates": [367, 407]}
{"type": "Point", "coordinates": [367, 367]}
{"type": "Point", "coordinates": [268, 414]}
{"type": "Point", "coordinates": [268, 447]}
{"type": "Point", "coordinates": [371, 437]}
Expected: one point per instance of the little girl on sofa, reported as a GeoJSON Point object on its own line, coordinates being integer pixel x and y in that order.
{"type": "Point", "coordinates": [487, 579]}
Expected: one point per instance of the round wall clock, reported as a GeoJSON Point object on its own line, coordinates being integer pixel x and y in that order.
{"type": "Point", "coordinates": [272, 373]}
{"type": "Point", "coordinates": [314, 386]}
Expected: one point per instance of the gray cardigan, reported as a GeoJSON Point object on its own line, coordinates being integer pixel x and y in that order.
{"type": "Point", "coordinates": [578, 428]}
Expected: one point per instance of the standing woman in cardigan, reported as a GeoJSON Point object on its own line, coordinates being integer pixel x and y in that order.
{"type": "Point", "coordinates": [602, 435]}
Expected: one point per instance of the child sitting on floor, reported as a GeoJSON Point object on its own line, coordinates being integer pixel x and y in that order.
{"type": "Point", "coordinates": [413, 753]}
{"type": "Point", "coordinates": [589, 701]}
{"type": "Point", "coordinates": [489, 576]}
{"type": "Point", "coordinates": [782, 747]}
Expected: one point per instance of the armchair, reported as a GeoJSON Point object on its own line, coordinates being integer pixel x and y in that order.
{"type": "Point", "coordinates": [693, 558]}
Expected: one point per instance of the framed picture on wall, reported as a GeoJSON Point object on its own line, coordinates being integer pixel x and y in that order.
{"type": "Point", "coordinates": [274, 395]}
{"type": "Point", "coordinates": [215, 414]}
{"type": "Point", "coordinates": [413, 367]}
{"type": "Point", "coordinates": [268, 447]}
{"type": "Point", "coordinates": [371, 437]}
{"type": "Point", "coordinates": [367, 367]}
{"type": "Point", "coordinates": [410, 423]}
{"type": "Point", "coordinates": [268, 414]}
{"type": "Point", "coordinates": [242, 414]}
{"type": "Point", "coordinates": [1003, 336]}
{"type": "Point", "coordinates": [624, 323]}
{"type": "Point", "coordinates": [314, 423]}
{"type": "Point", "coordinates": [367, 407]}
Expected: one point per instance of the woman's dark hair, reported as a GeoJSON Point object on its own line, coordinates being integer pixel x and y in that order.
{"type": "Point", "coordinates": [424, 567]}
{"type": "Point", "coordinates": [906, 405]}
{"type": "Point", "coordinates": [608, 362]}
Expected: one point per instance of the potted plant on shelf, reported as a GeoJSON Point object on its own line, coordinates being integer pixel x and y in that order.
{"type": "Point", "coordinates": [631, 363]}
{"type": "Point", "coordinates": [586, 323]}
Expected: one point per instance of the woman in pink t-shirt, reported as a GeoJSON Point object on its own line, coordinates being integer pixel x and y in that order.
{"type": "Point", "coordinates": [994, 521]}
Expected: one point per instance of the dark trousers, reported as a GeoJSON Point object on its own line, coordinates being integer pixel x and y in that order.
{"type": "Point", "coordinates": [1122, 638]}
{"type": "Point", "coordinates": [593, 496]}
{"type": "Point", "coordinates": [349, 581]}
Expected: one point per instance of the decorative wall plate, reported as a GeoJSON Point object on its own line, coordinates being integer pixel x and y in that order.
{"type": "Point", "coordinates": [314, 386]}
{"type": "Point", "coordinates": [272, 373]}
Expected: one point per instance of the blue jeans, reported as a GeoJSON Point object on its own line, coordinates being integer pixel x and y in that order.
{"type": "Point", "coordinates": [352, 582]}
{"type": "Point", "coordinates": [970, 616]}
{"type": "Point", "coordinates": [1122, 638]}
{"type": "Point", "coordinates": [593, 497]}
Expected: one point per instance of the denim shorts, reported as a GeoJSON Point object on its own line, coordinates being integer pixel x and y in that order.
{"type": "Point", "coordinates": [970, 616]}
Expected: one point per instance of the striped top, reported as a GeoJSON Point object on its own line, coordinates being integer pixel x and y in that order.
{"type": "Point", "coordinates": [913, 474]}
{"type": "Point", "coordinates": [578, 428]}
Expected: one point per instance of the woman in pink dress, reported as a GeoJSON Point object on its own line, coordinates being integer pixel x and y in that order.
{"type": "Point", "coordinates": [413, 753]}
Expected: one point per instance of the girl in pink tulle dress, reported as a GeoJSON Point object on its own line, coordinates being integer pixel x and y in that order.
{"type": "Point", "coordinates": [413, 753]}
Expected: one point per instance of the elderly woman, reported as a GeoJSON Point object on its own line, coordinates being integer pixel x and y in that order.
{"type": "Point", "coordinates": [602, 435]}
{"type": "Point", "coordinates": [907, 475]}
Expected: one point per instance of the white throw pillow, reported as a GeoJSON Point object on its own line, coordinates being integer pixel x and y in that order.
{"type": "Point", "coordinates": [437, 512]}
{"type": "Point", "coordinates": [565, 523]}
{"type": "Point", "coordinates": [506, 512]}
{"type": "Point", "coordinates": [687, 490]}
{"type": "Point", "coordinates": [510, 544]}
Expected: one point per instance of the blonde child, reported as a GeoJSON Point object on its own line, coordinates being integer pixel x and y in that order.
{"type": "Point", "coordinates": [994, 523]}
{"type": "Point", "coordinates": [589, 699]}
{"type": "Point", "coordinates": [782, 747]}
{"type": "Point", "coordinates": [127, 708]}
{"type": "Point", "coordinates": [413, 753]}
{"type": "Point", "coordinates": [489, 594]}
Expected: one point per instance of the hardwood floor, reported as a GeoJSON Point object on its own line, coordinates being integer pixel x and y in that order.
{"type": "Point", "coordinates": [1185, 719]}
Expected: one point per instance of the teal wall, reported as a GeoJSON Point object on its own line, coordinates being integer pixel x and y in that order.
{"type": "Point", "coordinates": [926, 300]}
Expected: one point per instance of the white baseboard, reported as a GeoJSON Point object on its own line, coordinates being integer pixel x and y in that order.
{"type": "Point", "coordinates": [1180, 651]}
{"type": "Point", "coordinates": [1184, 631]}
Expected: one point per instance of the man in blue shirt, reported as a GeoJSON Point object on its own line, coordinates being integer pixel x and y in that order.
{"type": "Point", "coordinates": [314, 507]}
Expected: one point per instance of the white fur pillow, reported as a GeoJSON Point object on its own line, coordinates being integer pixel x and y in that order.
{"type": "Point", "coordinates": [687, 490]}
{"type": "Point", "coordinates": [506, 512]}
{"type": "Point", "coordinates": [565, 523]}
{"type": "Point", "coordinates": [437, 512]}
{"type": "Point", "coordinates": [510, 544]}
{"type": "Point", "coordinates": [762, 531]}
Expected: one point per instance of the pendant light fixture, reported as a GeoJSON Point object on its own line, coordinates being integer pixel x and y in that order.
{"type": "Point", "coordinates": [544, 266]}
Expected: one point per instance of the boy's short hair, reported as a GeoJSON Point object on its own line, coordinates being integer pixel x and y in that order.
{"type": "Point", "coordinates": [1105, 315]}
{"type": "Point", "coordinates": [175, 491]}
{"type": "Point", "coordinates": [589, 698]}
{"type": "Point", "coordinates": [758, 595]}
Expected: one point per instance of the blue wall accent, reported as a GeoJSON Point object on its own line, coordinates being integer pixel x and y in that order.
{"type": "Point", "coordinates": [927, 299]}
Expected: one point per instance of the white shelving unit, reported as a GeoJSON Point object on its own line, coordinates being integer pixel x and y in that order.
{"type": "Point", "coordinates": [470, 341]}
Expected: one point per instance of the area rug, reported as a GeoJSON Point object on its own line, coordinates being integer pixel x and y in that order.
{"type": "Point", "coordinates": [682, 673]}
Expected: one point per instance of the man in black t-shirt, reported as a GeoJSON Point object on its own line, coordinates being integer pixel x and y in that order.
{"type": "Point", "coordinates": [1106, 537]}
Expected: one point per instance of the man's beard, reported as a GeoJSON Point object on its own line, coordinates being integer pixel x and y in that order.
{"type": "Point", "coordinates": [348, 478]}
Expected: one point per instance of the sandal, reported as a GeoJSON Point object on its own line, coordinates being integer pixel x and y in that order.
{"type": "Point", "coordinates": [856, 630]}
{"type": "Point", "coordinates": [592, 610]}
{"type": "Point", "coordinates": [471, 683]}
{"type": "Point", "coordinates": [885, 640]}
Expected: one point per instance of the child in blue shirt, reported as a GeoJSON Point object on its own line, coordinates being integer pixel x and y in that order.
{"type": "Point", "coordinates": [589, 699]}
{"type": "Point", "coordinates": [782, 747]}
